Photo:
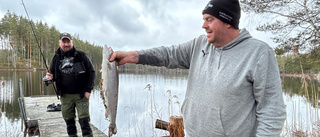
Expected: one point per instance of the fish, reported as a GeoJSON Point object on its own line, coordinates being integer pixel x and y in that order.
{"type": "Point", "coordinates": [109, 88]}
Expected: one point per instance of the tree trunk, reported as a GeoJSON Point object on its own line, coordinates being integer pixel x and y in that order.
{"type": "Point", "coordinates": [30, 51]}
{"type": "Point", "coordinates": [22, 47]}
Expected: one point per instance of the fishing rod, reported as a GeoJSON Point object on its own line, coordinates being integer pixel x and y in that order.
{"type": "Point", "coordinates": [44, 60]}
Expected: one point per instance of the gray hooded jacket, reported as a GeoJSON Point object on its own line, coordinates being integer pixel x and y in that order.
{"type": "Point", "coordinates": [234, 90]}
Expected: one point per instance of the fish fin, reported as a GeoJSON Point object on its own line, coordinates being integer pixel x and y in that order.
{"type": "Point", "coordinates": [107, 113]}
{"type": "Point", "coordinates": [101, 94]}
{"type": "Point", "coordinates": [101, 83]}
{"type": "Point", "coordinates": [115, 130]}
{"type": "Point", "coordinates": [112, 130]}
{"type": "Point", "coordinates": [109, 66]}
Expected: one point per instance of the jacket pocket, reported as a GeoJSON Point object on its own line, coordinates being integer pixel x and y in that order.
{"type": "Point", "coordinates": [79, 68]}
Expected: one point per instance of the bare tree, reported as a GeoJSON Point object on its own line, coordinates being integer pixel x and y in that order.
{"type": "Point", "coordinates": [295, 23]}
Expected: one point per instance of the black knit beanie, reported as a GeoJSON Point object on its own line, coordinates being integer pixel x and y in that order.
{"type": "Point", "coordinates": [227, 11]}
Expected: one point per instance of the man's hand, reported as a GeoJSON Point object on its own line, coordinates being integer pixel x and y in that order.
{"type": "Point", "coordinates": [48, 79]}
{"type": "Point", "coordinates": [87, 94]}
{"type": "Point", "coordinates": [123, 57]}
{"type": "Point", "coordinates": [49, 76]}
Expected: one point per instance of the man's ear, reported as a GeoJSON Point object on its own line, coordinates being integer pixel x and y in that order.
{"type": "Point", "coordinates": [228, 25]}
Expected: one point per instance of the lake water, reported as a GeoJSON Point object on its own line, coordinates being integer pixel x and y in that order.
{"type": "Point", "coordinates": [143, 98]}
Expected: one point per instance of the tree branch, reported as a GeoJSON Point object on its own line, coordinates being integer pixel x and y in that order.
{"type": "Point", "coordinates": [308, 16]}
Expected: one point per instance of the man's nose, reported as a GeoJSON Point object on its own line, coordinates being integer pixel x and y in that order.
{"type": "Point", "coordinates": [204, 25]}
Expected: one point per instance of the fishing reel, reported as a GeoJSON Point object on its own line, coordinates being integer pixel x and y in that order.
{"type": "Point", "coordinates": [46, 81]}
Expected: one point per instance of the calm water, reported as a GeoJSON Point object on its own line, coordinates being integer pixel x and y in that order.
{"type": "Point", "coordinates": [143, 98]}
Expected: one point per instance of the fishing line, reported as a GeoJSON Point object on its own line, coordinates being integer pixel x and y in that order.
{"type": "Point", "coordinates": [44, 60]}
{"type": "Point", "coordinates": [35, 35]}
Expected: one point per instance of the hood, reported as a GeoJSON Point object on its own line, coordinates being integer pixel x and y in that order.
{"type": "Point", "coordinates": [244, 34]}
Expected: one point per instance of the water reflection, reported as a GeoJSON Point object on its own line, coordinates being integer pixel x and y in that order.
{"type": "Point", "coordinates": [293, 86]}
{"type": "Point", "coordinates": [137, 110]}
{"type": "Point", "coordinates": [10, 122]}
{"type": "Point", "coordinates": [139, 105]}
{"type": "Point", "coordinates": [302, 107]}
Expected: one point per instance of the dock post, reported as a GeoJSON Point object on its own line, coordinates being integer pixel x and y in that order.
{"type": "Point", "coordinates": [22, 105]}
{"type": "Point", "coordinates": [174, 126]}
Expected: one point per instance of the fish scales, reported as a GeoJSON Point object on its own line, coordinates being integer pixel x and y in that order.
{"type": "Point", "coordinates": [109, 88]}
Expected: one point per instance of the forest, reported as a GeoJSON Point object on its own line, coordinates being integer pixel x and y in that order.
{"type": "Point", "coordinates": [20, 49]}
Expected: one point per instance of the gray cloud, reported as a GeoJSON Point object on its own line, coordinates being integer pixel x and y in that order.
{"type": "Point", "coordinates": [122, 24]}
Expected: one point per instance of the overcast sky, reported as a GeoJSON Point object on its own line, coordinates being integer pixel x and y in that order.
{"type": "Point", "coordinates": [125, 24]}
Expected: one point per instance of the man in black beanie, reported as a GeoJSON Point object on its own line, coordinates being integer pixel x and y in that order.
{"type": "Point", "coordinates": [234, 87]}
{"type": "Point", "coordinates": [221, 21]}
{"type": "Point", "coordinates": [227, 11]}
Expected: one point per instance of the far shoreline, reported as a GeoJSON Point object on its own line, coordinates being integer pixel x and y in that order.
{"type": "Point", "coordinates": [309, 76]}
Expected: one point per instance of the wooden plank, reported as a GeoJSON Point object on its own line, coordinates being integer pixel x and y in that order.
{"type": "Point", "coordinates": [51, 124]}
{"type": "Point", "coordinates": [160, 124]}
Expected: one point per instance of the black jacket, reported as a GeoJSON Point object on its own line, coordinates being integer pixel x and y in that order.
{"type": "Point", "coordinates": [84, 71]}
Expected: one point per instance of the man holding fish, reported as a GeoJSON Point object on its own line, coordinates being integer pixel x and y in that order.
{"type": "Point", "coordinates": [234, 86]}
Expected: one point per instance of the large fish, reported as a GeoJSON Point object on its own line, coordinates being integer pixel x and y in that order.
{"type": "Point", "coordinates": [109, 88]}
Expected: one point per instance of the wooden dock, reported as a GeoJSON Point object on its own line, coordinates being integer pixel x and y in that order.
{"type": "Point", "coordinates": [50, 124]}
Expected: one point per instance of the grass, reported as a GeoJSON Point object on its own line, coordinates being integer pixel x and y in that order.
{"type": "Point", "coordinates": [300, 127]}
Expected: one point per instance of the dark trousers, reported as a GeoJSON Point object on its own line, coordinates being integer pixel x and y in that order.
{"type": "Point", "coordinates": [70, 103]}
